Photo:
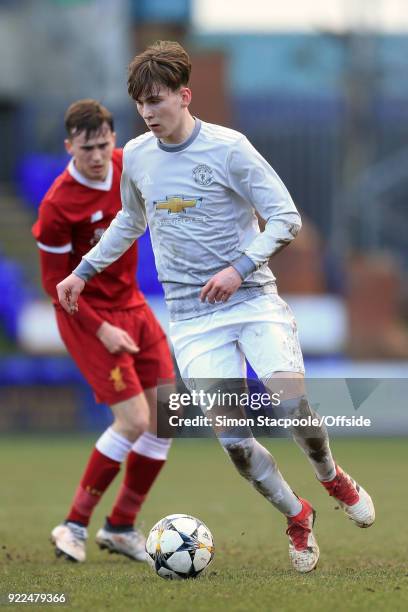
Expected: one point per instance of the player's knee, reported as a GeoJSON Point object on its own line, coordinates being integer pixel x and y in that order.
{"type": "Point", "coordinates": [239, 451]}
{"type": "Point", "coordinates": [132, 417]}
{"type": "Point", "coordinates": [231, 443]}
{"type": "Point", "coordinates": [132, 426]}
{"type": "Point", "coordinates": [306, 427]}
{"type": "Point", "coordinates": [294, 408]}
{"type": "Point", "coordinates": [251, 460]}
{"type": "Point", "coordinates": [299, 415]}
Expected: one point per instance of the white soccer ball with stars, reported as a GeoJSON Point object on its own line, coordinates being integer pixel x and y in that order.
{"type": "Point", "coordinates": [179, 546]}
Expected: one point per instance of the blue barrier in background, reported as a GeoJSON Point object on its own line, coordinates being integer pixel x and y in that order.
{"type": "Point", "coordinates": [25, 371]}
{"type": "Point", "coordinates": [146, 269]}
{"type": "Point", "coordinates": [35, 173]}
{"type": "Point", "coordinates": [15, 292]}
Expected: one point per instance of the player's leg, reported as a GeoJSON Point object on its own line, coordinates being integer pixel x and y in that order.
{"type": "Point", "coordinates": [312, 439]}
{"type": "Point", "coordinates": [131, 419]}
{"type": "Point", "coordinates": [249, 457]}
{"type": "Point", "coordinates": [113, 379]}
{"type": "Point", "coordinates": [153, 364]}
{"type": "Point", "coordinates": [261, 317]}
{"type": "Point", "coordinates": [144, 463]}
{"type": "Point", "coordinates": [314, 442]}
{"type": "Point", "coordinates": [255, 463]}
{"type": "Point", "coordinates": [218, 354]}
{"type": "Point", "coordinates": [279, 363]}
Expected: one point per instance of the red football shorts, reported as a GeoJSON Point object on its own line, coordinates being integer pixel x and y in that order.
{"type": "Point", "coordinates": [117, 377]}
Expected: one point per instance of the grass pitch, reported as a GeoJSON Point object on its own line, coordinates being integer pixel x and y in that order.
{"type": "Point", "coordinates": [359, 569]}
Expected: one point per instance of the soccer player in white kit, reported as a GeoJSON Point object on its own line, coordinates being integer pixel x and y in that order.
{"type": "Point", "coordinates": [198, 186]}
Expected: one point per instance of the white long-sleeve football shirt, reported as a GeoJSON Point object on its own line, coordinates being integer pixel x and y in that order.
{"type": "Point", "coordinates": [199, 199]}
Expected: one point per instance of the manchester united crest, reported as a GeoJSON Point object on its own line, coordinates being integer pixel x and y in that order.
{"type": "Point", "coordinates": [203, 175]}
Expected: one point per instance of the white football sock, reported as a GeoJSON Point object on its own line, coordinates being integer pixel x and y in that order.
{"type": "Point", "coordinates": [313, 440]}
{"type": "Point", "coordinates": [150, 445]}
{"type": "Point", "coordinates": [113, 445]}
{"type": "Point", "coordinates": [258, 466]}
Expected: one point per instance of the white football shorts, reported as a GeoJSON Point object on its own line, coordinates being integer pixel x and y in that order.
{"type": "Point", "coordinates": [215, 345]}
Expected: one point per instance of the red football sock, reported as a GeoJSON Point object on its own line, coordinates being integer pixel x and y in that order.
{"type": "Point", "coordinates": [98, 475]}
{"type": "Point", "coordinates": [141, 472]}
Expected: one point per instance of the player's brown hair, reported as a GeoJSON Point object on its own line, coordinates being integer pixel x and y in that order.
{"type": "Point", "coordinates": [163, 63]}
{"type": "Point", "coordinates": [86, 115]}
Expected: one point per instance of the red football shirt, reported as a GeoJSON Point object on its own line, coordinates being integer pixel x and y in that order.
{"type": "Point", "coordinates": [72, 217]}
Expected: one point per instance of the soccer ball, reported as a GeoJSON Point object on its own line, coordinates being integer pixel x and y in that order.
{"type": "Point", "coordinates": [179, 546]}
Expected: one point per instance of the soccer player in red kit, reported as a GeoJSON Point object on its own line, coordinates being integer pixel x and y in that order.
{"type": "Point", "coordinates": [114, 338]}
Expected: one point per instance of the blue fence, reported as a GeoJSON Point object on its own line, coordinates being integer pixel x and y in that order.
{"type": "Point", "coordinates": [15, 292]}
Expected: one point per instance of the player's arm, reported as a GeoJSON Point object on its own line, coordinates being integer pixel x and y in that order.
{"type": "Point", "coordinates": [128, 225]}
{"type": "Point", "coordinates": [53, 236]}
{"type": "Point", "coordinates": [255, 181]}
{"type": "Point", "coordinates": [54, 268]}
{"type": "Point", "coordinates": [55, 265]}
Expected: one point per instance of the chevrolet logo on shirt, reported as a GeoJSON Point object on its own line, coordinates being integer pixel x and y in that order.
{"type": "Point", "coordinates": [177, 204]}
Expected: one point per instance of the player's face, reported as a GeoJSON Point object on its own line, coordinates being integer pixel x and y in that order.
{"type": "Point", "coordinates": [92, 155]}
{"type": "Point", "coordinates": [165, 113]}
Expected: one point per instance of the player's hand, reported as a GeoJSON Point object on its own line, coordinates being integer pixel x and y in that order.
{"type": "Point", "coordinates": [115, 339]}
{"type": "Point", "coordinates": [68, 293]}
{"type": "Point", "coordinates": [221, 286]}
